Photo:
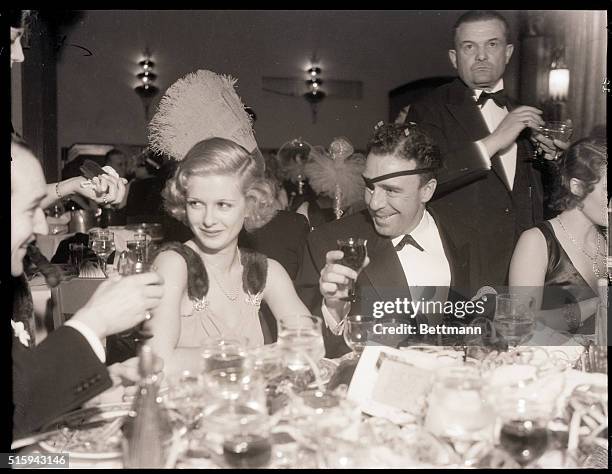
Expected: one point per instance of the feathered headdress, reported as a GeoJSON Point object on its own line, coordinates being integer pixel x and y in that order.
{"type": "Point", "coordinates": [200, 105]}
{"type": "Point", "coordinates": [337, 174]}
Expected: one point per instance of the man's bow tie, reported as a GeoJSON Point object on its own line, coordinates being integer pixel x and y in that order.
{"type": "Point", "coordinates": [408, 239]}
{"type": "Point", "coordinates": [499, 97]}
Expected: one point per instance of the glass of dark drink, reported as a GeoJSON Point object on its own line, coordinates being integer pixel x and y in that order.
{"type": "Point", "coordinates": [236, 414]}
{"type": "Point", "coordinates": [247, 450]}
{"type": "Point", "coordinates": [354, 250]}
{"type": "Point", "coordinates": [524, 432]}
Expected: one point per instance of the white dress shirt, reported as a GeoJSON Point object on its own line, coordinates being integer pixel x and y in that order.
{"type": "Point", "coordinates": [427, 268]}
{"type": "Point", "coordinates": [493, 116]}
{"type": "Point", "coordinates": [91, 337]}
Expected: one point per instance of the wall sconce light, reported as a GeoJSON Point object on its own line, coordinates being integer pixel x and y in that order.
{"type": "Point", "coordinates": [558, 78]}
{"type": "Point", "coordinates": [314, 95]}
{"type": "Point", "coordinates": [146, 89]}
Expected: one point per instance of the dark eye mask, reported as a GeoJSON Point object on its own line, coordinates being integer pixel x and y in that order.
{"type": "Point", "coordinates": [369, 182]}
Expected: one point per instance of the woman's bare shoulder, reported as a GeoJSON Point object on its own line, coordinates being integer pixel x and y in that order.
{"type": "Point", "coordinates": [276, 269]}
{"type": "Point", "coordinates": [171, 260]}
{"type": "Point", "coordinates": [533, 236]}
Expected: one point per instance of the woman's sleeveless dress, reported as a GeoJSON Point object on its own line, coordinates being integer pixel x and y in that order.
{"type": "Point", "coordinates": [199, 323]}
{"type": "Point", "coordinates": [563, 282]}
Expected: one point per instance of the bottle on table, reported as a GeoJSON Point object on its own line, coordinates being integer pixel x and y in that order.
{"type": "Point", "coordinates": [147, 427]}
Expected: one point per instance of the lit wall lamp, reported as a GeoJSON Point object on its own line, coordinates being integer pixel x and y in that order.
{"type": "Point", "coordinates": [558, 80]}
{"type": "Point", "coordinates": [146, 89]}
{"type": "Point", "coordinates": [314, 95]}
{"type": "Point", "coordinates": [558, 84]}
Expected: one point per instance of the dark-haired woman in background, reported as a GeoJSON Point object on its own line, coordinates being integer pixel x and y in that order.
{"type": "Point", "coordinates": [559, 261]}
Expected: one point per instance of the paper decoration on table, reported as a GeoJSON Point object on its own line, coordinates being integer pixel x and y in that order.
{"type": "Point", "coordinates": [587, 410]}
{"type": "Point", "coordinates": [201, 105]}
{"type": "Point", "coordinates": [394, 384]}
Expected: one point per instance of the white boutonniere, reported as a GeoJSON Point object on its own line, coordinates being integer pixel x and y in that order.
{"type": "Point", "coordinates": [21, 332]}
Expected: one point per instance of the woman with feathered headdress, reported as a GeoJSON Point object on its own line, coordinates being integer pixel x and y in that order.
{"type": "Point", "coordinates": [214, 288]}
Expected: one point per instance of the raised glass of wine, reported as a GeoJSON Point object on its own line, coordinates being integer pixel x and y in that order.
{"type": "Point", "coordinates": [354, 250]}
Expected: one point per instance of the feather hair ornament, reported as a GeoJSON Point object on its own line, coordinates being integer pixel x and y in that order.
{"type": "Point", "coordinates": [200, 105]}
{"type": "Point", "coordinates": [337, 174]}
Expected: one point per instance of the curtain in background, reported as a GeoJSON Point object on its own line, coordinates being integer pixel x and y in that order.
{"type": "Point", "coordinates": [586, 45]}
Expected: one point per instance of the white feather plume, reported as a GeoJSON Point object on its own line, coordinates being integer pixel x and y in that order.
{"type": "Point", "coordinates": [345, 168]}
{"type": "Point", "coordinates": [200, 105]}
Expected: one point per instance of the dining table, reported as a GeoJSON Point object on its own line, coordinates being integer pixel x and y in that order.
{"type": "Point", "coordinates": [339, 432]}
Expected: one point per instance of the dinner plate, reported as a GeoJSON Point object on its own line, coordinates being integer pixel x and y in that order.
{"type": "Point", "coordinates": [80, 432]}
{"type": "Point", "coordinates": [85, 443]}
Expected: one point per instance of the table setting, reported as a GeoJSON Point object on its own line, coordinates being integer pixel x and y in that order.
{"type": "Point", "coordinates": [412, 407]}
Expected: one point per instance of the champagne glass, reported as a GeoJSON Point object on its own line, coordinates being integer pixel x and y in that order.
{"type": "Point", "coordinates": [357, 329]}
{"type": "Point", "coordinates": [354, 250]}
{"type": "Point", "coordinates": [514, 318]}
{"type": "Point", "coordinates": [103, 244]}
{"type": "Point", "coordinates": [555, 130]}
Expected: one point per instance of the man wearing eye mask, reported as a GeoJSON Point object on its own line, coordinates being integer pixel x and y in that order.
{"type": "Point", "coordinates": [411, 253]}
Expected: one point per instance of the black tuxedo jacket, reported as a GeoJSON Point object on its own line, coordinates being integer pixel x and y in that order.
{"type": "Point", "coordinates": [57, 376]}
{"type": "Point", "coordinates": [383, 279]}
{"type": "Point", "coordinates": [491, 213]}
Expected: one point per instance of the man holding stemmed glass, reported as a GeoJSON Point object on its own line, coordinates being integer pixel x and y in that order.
{"type": "Point", "coordinates": [411, 253]}
{"type": "Point", "coordinates": [488, 139]}
{"type": "Point", "coordinates": [76, 349]}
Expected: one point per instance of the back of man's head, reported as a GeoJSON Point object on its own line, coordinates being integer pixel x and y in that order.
{"type": "Point", "coordinates": [24, 165]}
{"type": "Point", "coordinates": [481, 15]}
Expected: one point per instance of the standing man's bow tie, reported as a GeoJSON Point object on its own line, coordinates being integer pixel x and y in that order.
{"type": "Point", "coordinates": [499, 97]}
{"type": "Point", "coordinates": [408, 239]}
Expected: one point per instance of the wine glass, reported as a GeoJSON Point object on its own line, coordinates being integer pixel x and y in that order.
{"type": "Point", "coordinates": [357, 329]}
{"type": "Point", "coordinates": [459, 413]}
{"type": "Point", "coordinates": [223, 354]}
{"type": "Point", "coordinates": [301, 347]}
{"type": "Point", "coordinates": [133, 267]}
{"type": "Point", "coordinates": [514, 318]}
{"type": "Point", "coordinates": [145, 239]}
{"type": "Point", "coordinates": [524, 432]}
{"type": "Point", "coordinates": [555, 130]}
{"type": "Point", "coordinates": [354, 255]}
{"type": "Point", "coordinates": [137, 253]}
{"type": "Point", "coordinates": [237, 418]}
{"type": "Point", "coordinates": [103, 244]}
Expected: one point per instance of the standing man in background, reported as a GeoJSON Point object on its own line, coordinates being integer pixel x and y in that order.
{"type": "Point", "coordinates": [477, 126]}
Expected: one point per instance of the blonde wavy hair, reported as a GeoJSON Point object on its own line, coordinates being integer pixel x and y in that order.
{"type": "Point", "coordinates": [219, 156]}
